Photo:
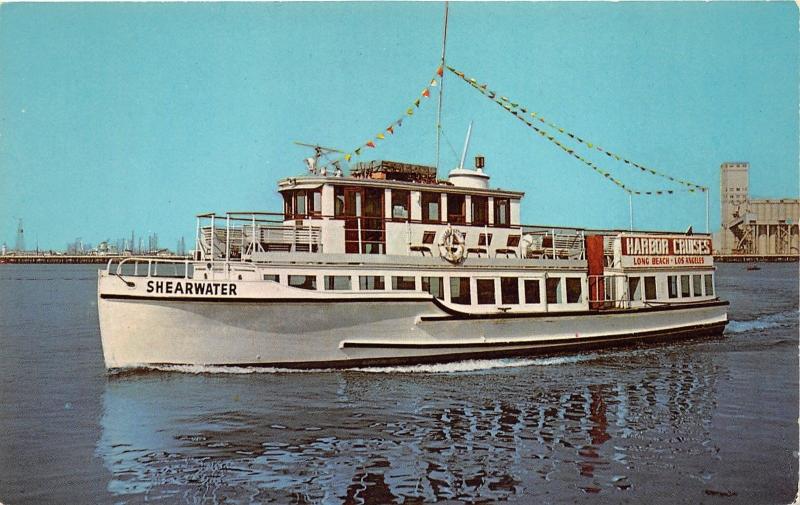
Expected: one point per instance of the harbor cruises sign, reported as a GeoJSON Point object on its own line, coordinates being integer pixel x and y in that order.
{"type": "Point", "coordinates": [665, 251]}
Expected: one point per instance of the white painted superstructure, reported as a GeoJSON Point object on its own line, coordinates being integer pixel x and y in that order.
{"type": "Point", "coordinates": [390, 265]}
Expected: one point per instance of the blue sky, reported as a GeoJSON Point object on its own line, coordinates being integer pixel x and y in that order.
{"type": "Point", "coordinates": [138, 116]}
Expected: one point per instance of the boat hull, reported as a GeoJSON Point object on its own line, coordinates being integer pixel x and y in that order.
{"type": "Point", "coordinates": [137, 331]}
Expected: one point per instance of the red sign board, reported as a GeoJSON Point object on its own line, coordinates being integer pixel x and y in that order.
{"type": "Point", "coordinates": [665, 251]}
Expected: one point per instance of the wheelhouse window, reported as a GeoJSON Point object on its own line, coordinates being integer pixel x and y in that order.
{"type": "Point", "coordinates": [456, 209]}
{"type": "Point", "coordinates": [434, 286]}
{"type": "Point", "coordinates": [709, 284]}
{"type": "Point", "coordinates": [574, 290]}
{"type": "Point", "coordinates": [272, 277]}
{"type": "Point", "coordinates": [553, 287]}
{"type": "Point", "coordinates": [697, 285]}
{"type": "Point", "coordinates": [459, 290]}
{"type": "Point", "coordinates": [532, 291]}
{"type": "Point", "coordinates": [480, 210]}
{"type": "Point", "coordinates": [635, 289]}
{"type": "Point", "coordinates": [485, 291]}
{"type": "Point", "coordinates": [431, 207]}
{"type": "Point", "coordinates": [672, 286]}
{"type": "Point", "coordinates": [288, 205]}
{"type": "Point", "coordinates": [509, 290]}
{"type": "Point", "coordinates": [502, 212]}
{"type": "Point", "coordinates": [650, 288]}
{"type": "Point", "coordinates": [401, 204]}
{"type": "Point", "coordinates": [303, 281]}
{"type": "Point", "coordinates": [338, 201]}
{"type": "Point", "coordinates": [302, 203]}
{"type": "Point", "coordinates": [338, 283]}
{"type": "Point", "coordinates": [371, 282]}
{"type": "Point", "coordinates": [685, 286]}
{"type": "Point", "coordinates": [316, 202]}
{"type": "Point", "coordinates": [404, 283]}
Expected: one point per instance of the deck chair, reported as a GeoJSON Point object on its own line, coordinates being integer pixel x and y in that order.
{"type": "Point", "coordinates": [512, 244]}
{"type": "Point", "coordinates": [428, 237]}
{"type": "Point", "coordinates": [484, 240]}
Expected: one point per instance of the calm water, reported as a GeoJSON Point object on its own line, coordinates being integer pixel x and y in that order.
{"type": "Point", "coordinates": [711, 421]}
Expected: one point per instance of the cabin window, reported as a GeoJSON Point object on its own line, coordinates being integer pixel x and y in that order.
{"type": "Point", "coordinates": [610, 288]}
{"type": "Point", "coordinates": [553, 287]}
{"type": "Point", "coordinates": [431, 207]}
{"type": "Point", "coordinates": [685, 287]}
{"type": "Point", "coordinates": [532, 294]}
{"type": "Point", "coordinates": [709, 285]}
{"type": "Point", "coordinates": [574, 290]}
{"type": "Point", "coordinates": [509, 290]}
{"type": "Point", "coordinates": [303, 281]}
{"type": "Point", "coordinates": [650, 288]}
{"type": "Point", "coordinates": [371, 282]}
{"type": "Point", "coordinates": [338, 201]}
{"type": "Point", "coordinates": [272, 277]}
{"type": "Point", "coordinates": [401, 203]}
{"type": "Point", "coordinates": [672, 286]}
{"type": "Point", "coordinates": [635, 289]}
{"type": "Point", "coordinates": [338, 283]}
{"type": "Point", "coordinates": [697, 285]}
{"type": "Point", "coordinates": [404, 283]}
{"type": "Point", "coordinates": [459, 290]}
{"type": "Point", "coordinates": [456, 209]}
{"type": "Point", "coordinates": [434, 286]}
{"type": "Point", "coordinates": [502, 212]}
{"type": "Point", "coordinates": [480, 210]}
{"type": "Point", "coordinates": [485, 291]}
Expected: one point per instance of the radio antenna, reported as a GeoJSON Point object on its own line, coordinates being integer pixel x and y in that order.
{"type": "Point", "coordinates": [441, 89]}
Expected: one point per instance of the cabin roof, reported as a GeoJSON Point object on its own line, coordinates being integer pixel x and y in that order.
{"type": "Point", "coordinates": [316, 181]}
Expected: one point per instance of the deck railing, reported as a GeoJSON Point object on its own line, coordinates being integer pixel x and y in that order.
{"type": "Point", "coordinates": [242, 234]}
{"type": "Point", "coordinates": [151, 267]}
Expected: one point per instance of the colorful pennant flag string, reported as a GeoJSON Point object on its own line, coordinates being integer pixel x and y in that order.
{"type": "Point", "coordinates": [374, 142]}
{"type": "Point", "coordinates": [523, 114]}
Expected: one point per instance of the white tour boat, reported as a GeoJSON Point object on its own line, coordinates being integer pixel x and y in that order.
{"type": "Point", "coordinates": [390, 265]}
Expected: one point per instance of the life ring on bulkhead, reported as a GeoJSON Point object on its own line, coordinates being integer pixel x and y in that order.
{"type": "Point", "coordinates": [451, 246]}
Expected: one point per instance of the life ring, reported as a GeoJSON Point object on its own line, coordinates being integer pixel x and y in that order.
{"type": "Point", "coordinates": [451, 246]}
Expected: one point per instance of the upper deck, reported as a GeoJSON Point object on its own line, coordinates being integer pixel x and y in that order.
{"type": "Point", "coordinates": [396, 213]}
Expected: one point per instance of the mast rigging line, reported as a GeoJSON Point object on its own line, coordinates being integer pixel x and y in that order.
{"type": "Point", "coordinates": [521, 114]}
{"type": "Point", "coordinates": [441, 87]}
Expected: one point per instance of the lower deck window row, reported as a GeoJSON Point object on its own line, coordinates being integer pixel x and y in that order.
{"type": "Point", "coordinates": [511, 291]}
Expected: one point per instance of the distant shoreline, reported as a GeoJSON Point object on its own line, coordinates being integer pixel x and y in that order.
{"type": "Point", "coordinates": [56, 259]}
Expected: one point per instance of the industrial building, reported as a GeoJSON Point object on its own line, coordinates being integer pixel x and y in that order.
{"type": "Point", "coordinates": [765, 227]}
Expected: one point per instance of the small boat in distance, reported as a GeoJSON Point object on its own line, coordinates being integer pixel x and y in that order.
{"type": "Point", "coordinates": [753, 266]}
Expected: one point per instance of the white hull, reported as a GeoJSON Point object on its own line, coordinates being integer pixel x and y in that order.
{"type": "Point", "coordinates": [379, 329]}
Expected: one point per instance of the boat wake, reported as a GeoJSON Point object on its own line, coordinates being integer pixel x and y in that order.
{"type": "Point", "coordinates": [466, 366]}
{"type": "Point", "coordinates": [780, 319]}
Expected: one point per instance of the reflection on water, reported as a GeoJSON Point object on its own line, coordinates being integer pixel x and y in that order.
{"type": "Point", "coordinates": [595, 424]}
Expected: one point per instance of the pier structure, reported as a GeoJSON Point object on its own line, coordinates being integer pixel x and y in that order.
{"type": "Point", "coordinates": [761, 229]}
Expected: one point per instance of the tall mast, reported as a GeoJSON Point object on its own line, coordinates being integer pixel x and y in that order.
{"type": "Point", "coordinates": [441, 89]}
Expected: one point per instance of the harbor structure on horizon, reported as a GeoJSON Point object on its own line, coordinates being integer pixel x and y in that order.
{"type": "Point", "coordinates": [20, 245]}
{"type": "Point", "coordinates": [754, 226]}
